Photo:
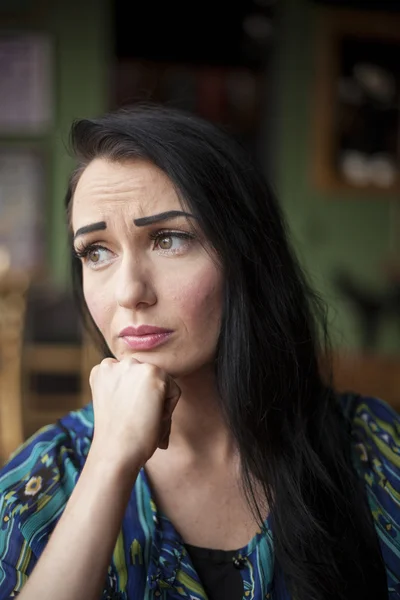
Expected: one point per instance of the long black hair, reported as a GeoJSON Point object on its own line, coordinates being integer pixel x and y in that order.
{"type": "Point", "coordinates": [286, 420]}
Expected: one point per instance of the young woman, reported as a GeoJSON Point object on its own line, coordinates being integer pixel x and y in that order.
{"type": "Point", "coordinates": [214, 462]}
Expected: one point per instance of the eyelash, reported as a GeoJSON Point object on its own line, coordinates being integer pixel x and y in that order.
{"type": "Point", "coordinates": [84, 251]}
{"type": "Point", "coordinates": [163, 234]}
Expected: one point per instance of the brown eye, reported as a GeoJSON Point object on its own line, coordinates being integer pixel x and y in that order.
{"type": "Point", "coordinates": [171, 243]}
{"type": "Point", "coordinates": [165, 243]}
{"type": "Point", "coordinates": [94, 255]}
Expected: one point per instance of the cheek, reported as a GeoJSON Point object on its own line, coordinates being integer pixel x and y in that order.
{"type": "Point", "coordinates": [99, 306]}
{"type": "Point", "coordinates": [199, 300]}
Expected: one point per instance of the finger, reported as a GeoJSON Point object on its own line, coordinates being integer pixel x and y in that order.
{"type": "Point", "coordinates": [108, 361]}
{"type": "Point", "coordinates": [128, 363]}
{"type": "Point", "coordinates": [164, 443]}
{"type": "Point", "coordinates": [93, 374]}
{"type": "Point", "coordinates": [129, 360]}
{"type": "Point", "coordinates": [135, 361]}
{"type": "Point", "coordinates": [172, 396]}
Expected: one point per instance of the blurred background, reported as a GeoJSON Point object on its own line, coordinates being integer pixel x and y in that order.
{"type": "Point", "coordinates": [310, 87]}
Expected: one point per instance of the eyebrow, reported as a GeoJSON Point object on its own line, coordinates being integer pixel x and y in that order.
{"type": "Point", "coordinates": [161, 217]}
{"type": "Point", "coordinates": [99, 226]}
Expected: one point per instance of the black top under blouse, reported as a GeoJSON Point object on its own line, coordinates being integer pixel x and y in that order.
{"type": "Point", "coordinates": [219, 572]}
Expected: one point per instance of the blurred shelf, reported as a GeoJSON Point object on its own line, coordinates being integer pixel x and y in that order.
{"type": "Point", "coordinates": [53, 383]}
{"type": "Point", "coordinates": [45, 417]}
{"type": "Point", "coordinates": [36, 419]}
{"type": "Point", "coordinates": [52, 358]}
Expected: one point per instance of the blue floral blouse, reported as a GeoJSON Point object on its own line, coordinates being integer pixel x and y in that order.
{"type": "Point", "coordinates": [149, 560]}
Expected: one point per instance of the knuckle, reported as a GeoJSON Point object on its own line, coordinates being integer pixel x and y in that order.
{"type": "Point", "coordinates": [161, 385]}
{"type": "Point", "coordinates": [107, 361]}
{"type": "Point", "coordinates": [149, 370]}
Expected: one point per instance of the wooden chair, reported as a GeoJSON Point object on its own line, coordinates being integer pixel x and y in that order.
{"type": "Point", "coordinates": [13, 290]}
{"type": "Point", "coordinates": [57, 364]}
{"type": "Point", "coordinates": [72, 362]}
{"type": "Point", "coordinates": [91, 356]}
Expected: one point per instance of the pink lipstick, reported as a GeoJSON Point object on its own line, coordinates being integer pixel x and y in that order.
{"type": "Point", "coordinates": [144, 337]}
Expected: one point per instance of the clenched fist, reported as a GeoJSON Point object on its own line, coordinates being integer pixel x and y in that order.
{"type": "Point", "coordinates": [133, 404]}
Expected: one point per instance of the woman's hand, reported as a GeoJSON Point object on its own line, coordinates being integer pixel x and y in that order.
{"type": "Point", "coordinates": [133, 404]}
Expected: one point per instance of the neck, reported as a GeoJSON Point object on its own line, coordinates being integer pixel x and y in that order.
{"type": "Point", "coordinates": [198, 425]}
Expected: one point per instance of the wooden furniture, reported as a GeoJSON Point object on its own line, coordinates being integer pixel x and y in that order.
{"type": "Point", "coordinates": [90, 357]}
{"type": "Point", "coordinates": [335, 28]}
{"type": "Point", "coordinates": [12, 311]}
{"type": "Point", "coordinates": [55, 381]}
{"type": "Point", "coordinates": [49, 371]}
{"type": "Point", "coordinates": [371, 375]}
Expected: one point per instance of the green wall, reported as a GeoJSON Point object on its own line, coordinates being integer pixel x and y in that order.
{"type": "Point", "coordinates": [330, 231]}
{"type": "Point", "coordinates": [80, 34]}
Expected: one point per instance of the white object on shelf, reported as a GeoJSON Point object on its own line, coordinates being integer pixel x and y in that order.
{"type": "Point", "coordinates": [22, 207]}
{"type": "Point", "coordinates": [26, 84]}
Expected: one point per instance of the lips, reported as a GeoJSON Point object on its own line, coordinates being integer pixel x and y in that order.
{"type": "Point", "coordinates": [143, 330]}
{"type": "Point", "coordinates": [144, 337]}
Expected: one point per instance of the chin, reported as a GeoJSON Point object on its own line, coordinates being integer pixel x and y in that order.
{"type": "Point", "coordinates": [160, 360]}
{"type": "Point", "coordinates": [172, 367]}
{"type": "Point", "coordinates": [177, 367]}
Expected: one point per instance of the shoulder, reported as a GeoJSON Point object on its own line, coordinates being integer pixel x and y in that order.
{"type": "Point", "coordinates": [375, 435]}
{"type": "Point", "coordinates": [39, 477]}
{"type": "Point", "coordinates": [375, 425]}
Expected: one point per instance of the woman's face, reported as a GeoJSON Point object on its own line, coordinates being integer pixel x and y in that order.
{"type": "Point", "coordinates": [146, 269]}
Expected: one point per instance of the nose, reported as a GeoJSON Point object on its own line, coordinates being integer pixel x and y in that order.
{"type": "Point", "coordinates": [134, 288]}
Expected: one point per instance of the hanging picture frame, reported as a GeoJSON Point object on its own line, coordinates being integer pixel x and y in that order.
{"type": "Point", "coordinates": [22, 209]}
{"type": "Point", "coordinates": [26, 84]}
{"type": "Point", "coordinates": [356, 109]}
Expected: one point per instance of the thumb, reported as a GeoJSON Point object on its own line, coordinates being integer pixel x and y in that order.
{"type": "Point", "coordinates": [172, 397]}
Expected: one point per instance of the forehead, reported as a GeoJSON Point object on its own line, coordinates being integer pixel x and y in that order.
{"type": "Point", "coordinates": [135, 187]}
